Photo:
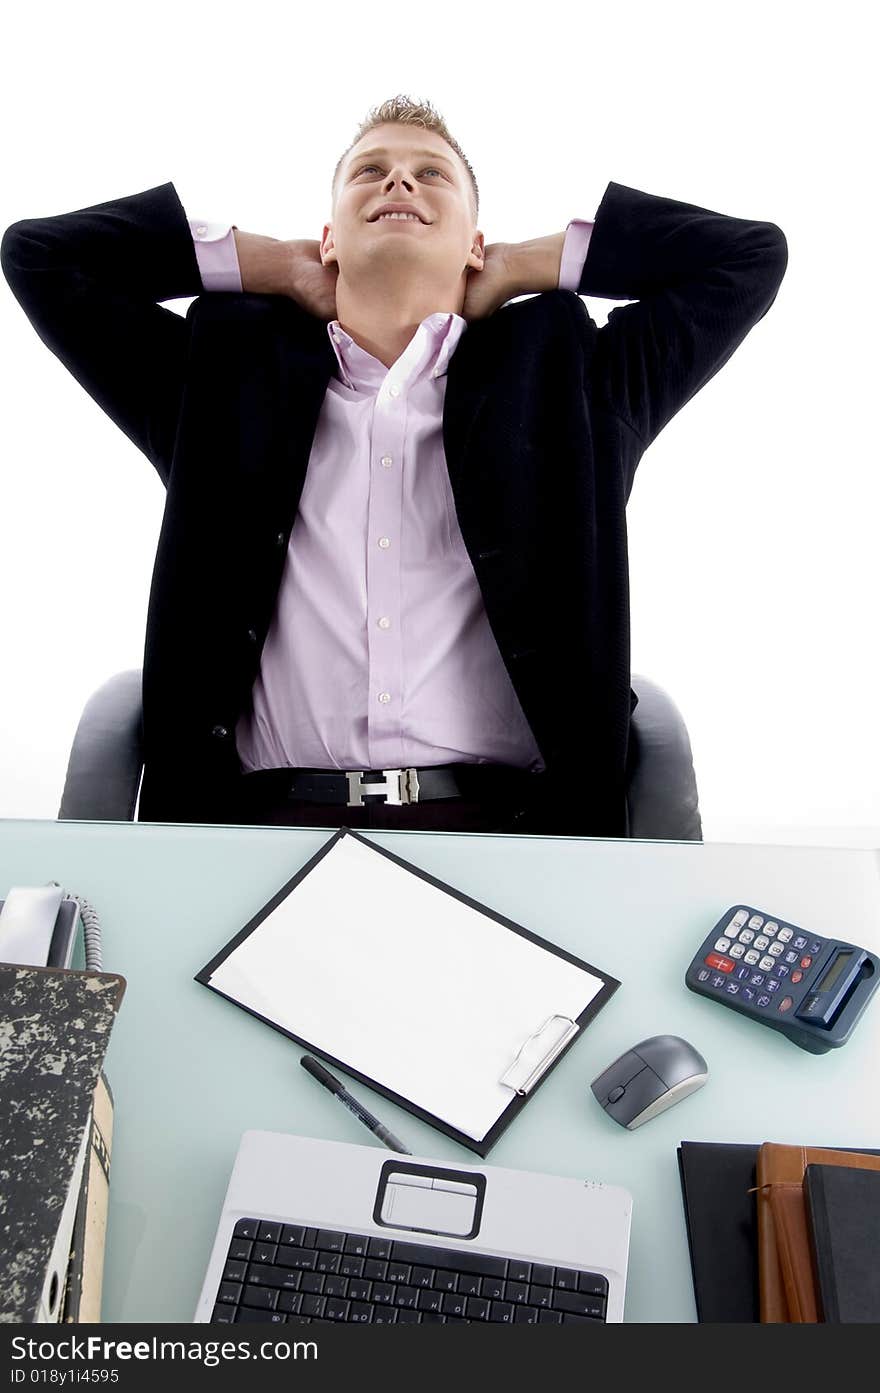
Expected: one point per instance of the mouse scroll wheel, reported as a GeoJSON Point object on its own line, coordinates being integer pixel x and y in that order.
{"type": "Point", "coordinates": [616, 1094]}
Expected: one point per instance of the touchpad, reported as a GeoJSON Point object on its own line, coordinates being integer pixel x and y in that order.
{"type": "Point", "coordinates": [430, 1202]}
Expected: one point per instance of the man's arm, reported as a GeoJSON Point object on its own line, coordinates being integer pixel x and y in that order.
{"type": "Point", "coordinates": [231, 260]}
{"type": "Point", "coordinates": [526, 268]}
{"type": "Point", "coordinates": [90, 283]}
{"type": "Point", "coordinates": [701, 280]}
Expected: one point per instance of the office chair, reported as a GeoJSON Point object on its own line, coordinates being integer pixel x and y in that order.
{"type": "Point", "coordinates": [104, 769]}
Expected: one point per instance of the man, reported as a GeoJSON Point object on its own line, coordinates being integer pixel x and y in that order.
{"type": "Point", "coordinates": [393, 553]}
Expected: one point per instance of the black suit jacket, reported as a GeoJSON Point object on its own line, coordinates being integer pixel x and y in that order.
{"type": "Point", "coordinates": [546, 418]}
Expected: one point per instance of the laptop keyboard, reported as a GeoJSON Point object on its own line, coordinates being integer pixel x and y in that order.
{"type": "Point", "coordinates": [287, 1273]}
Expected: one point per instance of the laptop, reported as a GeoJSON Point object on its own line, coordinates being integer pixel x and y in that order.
{"type": "Point", "coordinates": [316, 1232]}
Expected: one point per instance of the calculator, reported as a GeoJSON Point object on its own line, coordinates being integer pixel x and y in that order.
{"type": "Point", "coordinates": [811, 988]}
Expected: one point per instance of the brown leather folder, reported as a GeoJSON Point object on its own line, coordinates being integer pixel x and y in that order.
{"type": "Point", "coordinates": [785, 1265]}
{"type": "Point", "coordinates": [793, 1251]}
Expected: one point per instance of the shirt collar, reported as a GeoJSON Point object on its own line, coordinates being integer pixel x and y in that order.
{"type": "Point", "coordinates": [426, 355]}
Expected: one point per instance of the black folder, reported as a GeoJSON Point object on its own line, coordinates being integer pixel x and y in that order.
{"type": "Point", "coordinates": [722, 1228]}
{"type": "Point", "coordinates": [843, 1208]}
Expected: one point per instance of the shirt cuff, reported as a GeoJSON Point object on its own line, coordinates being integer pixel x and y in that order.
{"type": "Point", "coordinates": [216, 254]}
{"type": "Point", "coordinates": [574, 253]}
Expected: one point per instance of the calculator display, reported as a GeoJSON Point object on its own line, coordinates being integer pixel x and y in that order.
{"type": "Point", "coordinates": [834, 971]}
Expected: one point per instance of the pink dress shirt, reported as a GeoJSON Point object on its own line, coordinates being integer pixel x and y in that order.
{"type": "Point", "coordinates": [380, 654]}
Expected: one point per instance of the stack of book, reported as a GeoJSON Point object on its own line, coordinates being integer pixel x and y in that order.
{"type": "Point", "coordinates": [81, 1302]}
{"type": "Point", "coordinates": [56, 1115]}
{"type": "Point", "coordinates": [782, 1234]}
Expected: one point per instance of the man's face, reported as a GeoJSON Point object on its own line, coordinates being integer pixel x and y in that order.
{"type": "Point", "coordinates": [413, 170]}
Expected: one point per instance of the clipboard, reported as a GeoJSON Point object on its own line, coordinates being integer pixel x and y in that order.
{"type": "Point", "coordinates": [436, 1001]}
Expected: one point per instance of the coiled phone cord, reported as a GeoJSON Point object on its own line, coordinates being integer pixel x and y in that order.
{"type": "Point", "coordinates": [91, 935]}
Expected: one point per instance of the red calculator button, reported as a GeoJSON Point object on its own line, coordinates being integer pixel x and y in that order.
{"type": "Point", "coordinates": [797, 977]}
{"type": "Point", "coordinates": [786, 1003]}
{"type": "Point", "coordinates": [720, 964]}
{"type": "Point", "coordinates": [806, 962]}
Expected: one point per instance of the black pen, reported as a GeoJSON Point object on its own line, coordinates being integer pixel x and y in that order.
{"type": "Point", "coordinates": [378, 1128]}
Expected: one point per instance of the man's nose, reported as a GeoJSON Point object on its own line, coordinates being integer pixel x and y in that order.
{"type": "Point", "coordinates": [399, 176]}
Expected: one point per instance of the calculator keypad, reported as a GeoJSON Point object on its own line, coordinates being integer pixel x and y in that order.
{"type": "Point", "coordinates": [754, 958]}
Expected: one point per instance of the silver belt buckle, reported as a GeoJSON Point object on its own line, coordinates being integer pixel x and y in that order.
{"type": "Point", "coordinates": [399, 786]}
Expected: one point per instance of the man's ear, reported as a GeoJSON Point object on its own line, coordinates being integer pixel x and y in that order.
{"type": "Point", "coordinates": [328, 246]}
{"type": "Point", "coordinates": [477, 253]}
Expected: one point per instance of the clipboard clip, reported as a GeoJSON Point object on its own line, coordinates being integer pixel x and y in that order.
{"type": "Point", "coordinates": [537, 1053]}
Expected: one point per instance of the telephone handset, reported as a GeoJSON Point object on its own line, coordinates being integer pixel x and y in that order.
{"type": "Point", "coordinates": [38, 927]}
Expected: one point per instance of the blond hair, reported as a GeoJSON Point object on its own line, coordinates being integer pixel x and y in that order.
{"type": "Point", "coordinates": [406, 112]}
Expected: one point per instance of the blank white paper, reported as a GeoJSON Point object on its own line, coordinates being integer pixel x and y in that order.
{"type": "Point", "coordinates": [404, 983]}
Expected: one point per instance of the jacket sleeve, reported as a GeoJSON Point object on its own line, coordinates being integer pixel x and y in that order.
{"type": "Point", "coordinates": [90, 283]}
{"type": "Point", "coordinates": [700, 280]}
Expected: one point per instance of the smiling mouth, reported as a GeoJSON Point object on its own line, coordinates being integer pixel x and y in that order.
{"type": "Point", "coordinates": [398, 217]}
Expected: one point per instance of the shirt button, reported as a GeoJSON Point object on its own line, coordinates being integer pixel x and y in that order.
{"type": "Point", "coordinates": [384, 697]}
{"type": "Point", "coordinates": [384, 622]}
{"type": "Point", "coordinates": [387, 461]}
{"type": "Point", "coordinates": [394, 390]}
{"type": "Point", "coordinates": [201, 230]}
{"type": "Point", "coordinates": [220, 732]}
{"type": "Point", "coordinates": [384, 543]}
{"type": "Point", "coordinates": [252, 635]}
{"type": "Point", "coordinates": [279, 540]}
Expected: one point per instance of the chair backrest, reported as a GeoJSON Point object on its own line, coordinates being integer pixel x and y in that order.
{"type": "Point", "coordinates": [106, 760]}
{"type": "Point", "coordinates": [662, 800]}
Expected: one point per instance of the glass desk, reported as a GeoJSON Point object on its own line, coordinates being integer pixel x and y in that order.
{"type": "Point", "coordinates": [190, 1072]}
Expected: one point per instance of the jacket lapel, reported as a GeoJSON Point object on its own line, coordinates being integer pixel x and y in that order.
{"type": "Point", "coordinates": [306, 362]}
{"type": "Point", "coordinates": [467, 387]}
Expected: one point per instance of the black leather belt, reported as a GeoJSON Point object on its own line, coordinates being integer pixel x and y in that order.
{"type": "Point", "coordinates": [393, 787]}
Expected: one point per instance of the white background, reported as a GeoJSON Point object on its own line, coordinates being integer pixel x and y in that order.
{"type": "Point", "coordinates": [754, 515]}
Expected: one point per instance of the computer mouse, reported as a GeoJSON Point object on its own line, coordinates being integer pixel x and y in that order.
{"type": "Point", "coordinates": [650, 1078]}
